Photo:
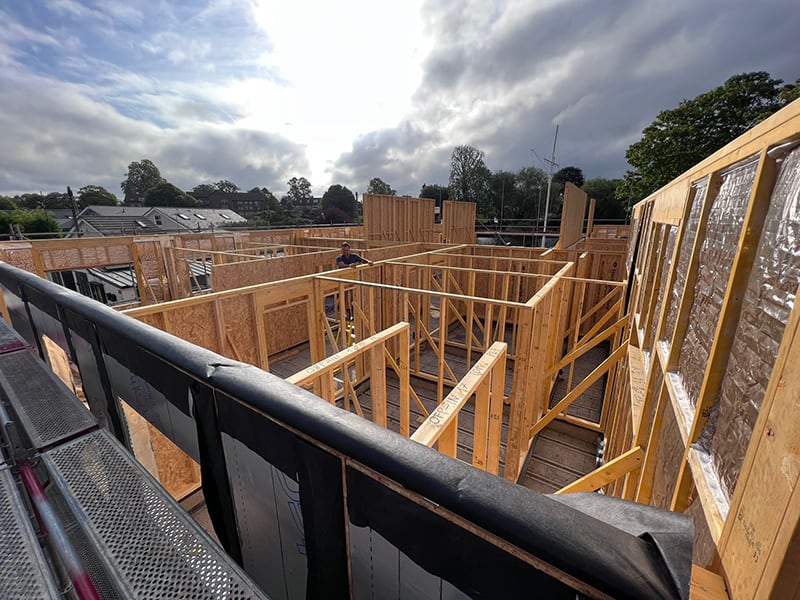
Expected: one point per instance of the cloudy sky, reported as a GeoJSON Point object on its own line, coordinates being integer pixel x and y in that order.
{"type": "Point", "coordinates": [259, 91]}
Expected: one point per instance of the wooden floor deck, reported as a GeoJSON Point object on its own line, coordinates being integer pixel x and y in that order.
{"type": "Point", "coordinates": [562, 452]}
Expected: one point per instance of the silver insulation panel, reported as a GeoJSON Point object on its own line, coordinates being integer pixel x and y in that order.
{"type": "Point", "coordinates": [684, 256]}
{"type": "Point", "coordinates": [766, 307]}
{"type": "Point", "coordinates": [716, 254]}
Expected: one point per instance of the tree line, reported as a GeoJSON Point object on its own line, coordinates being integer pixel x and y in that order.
{"type": "Point", "coordinates": [676, 140]}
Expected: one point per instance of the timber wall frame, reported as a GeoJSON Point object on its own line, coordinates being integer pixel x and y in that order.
{"type": "Point", "coordinates": [399, 219]}
{"type": "Point", "coordinates": [458, 222]}
{"type": "Point", "coordinates": [752, 538]}
{"type": "Point", "coordinates": [548, 306]}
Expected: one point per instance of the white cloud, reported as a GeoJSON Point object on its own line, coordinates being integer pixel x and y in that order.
{"type": "Point", "coordinates": [340, 92]}
{"type": "Point", "coordinates": [347, 67]}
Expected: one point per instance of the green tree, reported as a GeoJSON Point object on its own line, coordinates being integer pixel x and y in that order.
{"type": "Point", "coordinates": [332, 214]}
{"type": "Point", "coordinates": [7, 203]}
{"type": "Point", "coordinates": [166, 194]}
{"type": "Point", "coordinates": [94, 195]}
{"type": "Point", "coordinates": [36, 222]}
{"type": "Point", "coordinates": [504, 194]}
{"type": "Point", "coordinates": [569, 174]}
{"type": "Point", "coordinates": [299, 190]}
{"type": "Point", "coordinates": [681, 137]}
{"type": "Point", "coordinates": [142, 176]}
{"type": "Point", "coordinates": [274, 214]}
{"type": "Point", "coordinates": [531, 183]}
{"type": "Point", "coordinates": [440, 193]}
{"type": "Point", "coordinates": [607, 206]}
{"type": "Point", "coordinates": [55, 200]}
{"type": "Point", "coordinates": [469, 178]}
{"type": "Point", "coordinates": [269, 196]}
{"type": "Point", "coordinates": [204, 188]}
{"type": "Point", "coordinates": [378, 186]}
{"type": "Point", "coordinates": [223, 185]}
{"type": "Point", "coordinates": [341, 198]}
{"type": "Point", "coordinates": [29, 201]}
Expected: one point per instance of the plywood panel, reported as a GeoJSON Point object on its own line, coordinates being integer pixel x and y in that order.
{"type": "Point", "coordinates": [458, 222]}
{"type": "Point", "coordinates": [286, 327]}
{"type": "Point", "coordinates": [18, 254]}
{"type": "Point", "coordinates": [392, 218]}
{"type": "Point", "coordinates": [242, 274]}
{"type": "Point", "coordinates": [238, 328]}
{"type": "Point", "coordinates": [178, 473]}
{"type": "Point", "coordinates": [195, 323]}
{"type": "Point", "coordinates": [572, 214]}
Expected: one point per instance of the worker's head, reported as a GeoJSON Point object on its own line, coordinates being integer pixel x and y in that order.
{"type": "Point", "coordinates": [345, 248]}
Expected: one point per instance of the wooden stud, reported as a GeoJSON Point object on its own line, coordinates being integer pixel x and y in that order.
{"type": "Point", "coordinates": [610, 471]}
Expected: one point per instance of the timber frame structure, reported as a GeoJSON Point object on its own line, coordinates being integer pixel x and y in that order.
{"type": "Point", "coordinates": [708, 396]}
{"type": "Point", "coordinates": [694, 307]}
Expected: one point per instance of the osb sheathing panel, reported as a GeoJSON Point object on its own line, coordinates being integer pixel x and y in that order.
{"type": "Point", "coordinates": [266, 238]}
{"type": "Point", "coordinates": [224, 242]}
{"type": "Point", "coordinates": [572, 213]}
{"type": "Point", "coordinates": [603, 245]}
{"type": "Point", "coordinates": [458, 222]}
{"type": "Point", "coordinates": [152, 267]}
{"type": "Point", "coordinates": [178, 473]}
{"type": "Point", "coordinates": [195, 323]}
{"type": "Point", "coordinates": [610, 232]}
{"type": "Point", "coordinates": [286, 327]}
{"type": "Point", "coordinates": [319, 242]}
{"type": "Point", "coordinates": [178, 273]}
{"type": "Point", "coordinates": [63, 259]}
{"type": "Point", "coordinates": [18, 254]}
{"type": "Point", "coordinates": [239, 328]}
{"type": "Point", "coordinates": [153, 319]}
{"type": "Point", "coordinates": [351, 232]}
{"type": "Point", "coordinates": [705, 550]}
{"type": "Point", "coordinates": [669, 208]}
{"type": "Point", "coordinates": [393, 218]}
{"type": "Point", "coordinates": [242, 274]}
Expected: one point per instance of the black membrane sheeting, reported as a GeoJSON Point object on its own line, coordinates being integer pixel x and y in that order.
{"type": "Point", "coordinates": [624, 550]}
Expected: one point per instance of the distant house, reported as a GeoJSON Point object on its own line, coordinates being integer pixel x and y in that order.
{"type": "Point", "coordinates": [64, 218]}
{"type": "Point", "coordinates": [244, 203]}
{"type": "Point", "coordinates": [116, 284]}
{"type": "Point", "coordinates": [133, 200]}
{"type": "Point", "coordinates": [194, 219]}
{"type": "Point", "coordinates": [151, 220]}
{"type": "Point", "coordinates": [104, 226]}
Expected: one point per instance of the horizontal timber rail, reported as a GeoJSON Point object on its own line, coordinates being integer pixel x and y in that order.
{"type": "Point", "coordinates": [321, 375]}
{"type": "Point", "coordinates": [486, 382]}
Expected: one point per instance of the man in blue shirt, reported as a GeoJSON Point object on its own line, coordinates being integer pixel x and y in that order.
{"type": "Point", "coordinates": [350, 259]}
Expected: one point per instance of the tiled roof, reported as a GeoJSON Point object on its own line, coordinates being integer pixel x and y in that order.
{"type": "Point", "coordinates": [122, 225]}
